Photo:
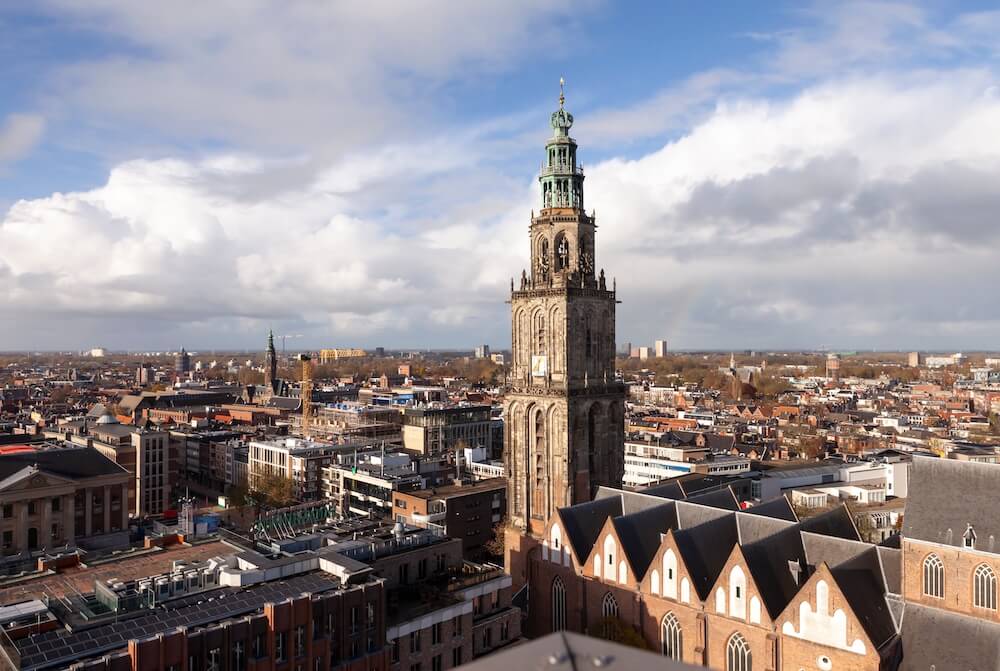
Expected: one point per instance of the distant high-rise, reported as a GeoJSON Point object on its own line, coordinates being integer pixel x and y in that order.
{"type": "Point", "coordinates": [833, 366]}
{"type": "Point", "coordinates": [270, 363]}
{"type": "Point", "coordinates": [660, 347]}
{"type": "Point", "coordinates": [144, 375]}
{"type": "Point", "coordinates": [182, 363]}
{"type": "Point", "coordinates": [913, 359]}
{"type": "Point", "coordinates": [483, 352]}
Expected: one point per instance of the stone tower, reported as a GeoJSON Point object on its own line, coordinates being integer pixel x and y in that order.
{"type": "Point", "coordinates": [270, 364]}
{"type": "Point", "coordinates": [564, 413]}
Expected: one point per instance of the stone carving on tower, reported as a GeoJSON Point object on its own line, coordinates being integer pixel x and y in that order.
{"type": "Point", "coordinates": [564, 413]}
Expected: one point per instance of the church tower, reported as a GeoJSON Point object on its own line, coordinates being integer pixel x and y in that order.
{"type": "Point", "coordinates": [270, 364]}
{"type": "Point", "coordinates": [564, 413]}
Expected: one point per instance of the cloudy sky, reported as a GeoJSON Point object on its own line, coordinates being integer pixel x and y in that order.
{"type": "Point", "coordinates": [764, 175]}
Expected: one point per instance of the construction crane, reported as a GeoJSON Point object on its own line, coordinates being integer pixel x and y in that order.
{"type": "Point", "coordinates": [306, 394]}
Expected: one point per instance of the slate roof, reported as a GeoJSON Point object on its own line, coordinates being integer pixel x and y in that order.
{"type": "Point", "coordinates": [859, 580]}
{"type": "Point", "coordinates": [768, 561]}
{"type": "Point", "coordinates": [705, 549]}
{"type": "Point", "coordinates": [934, 638]}
{"type": "Point", "coordinates": [778, 508]}
{"type": "Point", "coordinates": [640, 534]}
{"type": "Point", "coordinates": [719, 498]}
{"type": "Point", "coordinates": [566, 651]}
{"type": "Point", "coordinates": [583, 522]}
{"type": "Point", "coordinates": [946, 496]}
{"type": "Point", "coordinates": [836, 522]}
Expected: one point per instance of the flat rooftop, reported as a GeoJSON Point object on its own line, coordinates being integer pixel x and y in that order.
{"type": "Point", "coordinates": [76, 580]}
{"type": "Point", "coordinates": [56, 649]}
{"type": "Point", "coordinates": [460, 490]}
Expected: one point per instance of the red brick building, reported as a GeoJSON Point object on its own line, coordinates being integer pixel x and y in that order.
{"type": "Point", "coordinates": [702, 582]}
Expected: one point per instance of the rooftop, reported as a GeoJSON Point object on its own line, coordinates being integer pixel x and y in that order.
{"type": "Point", "coordinates": [449, 491]}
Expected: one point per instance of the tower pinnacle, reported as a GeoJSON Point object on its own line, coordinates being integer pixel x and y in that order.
{"type": "Point", "coordinates": [562, 96]}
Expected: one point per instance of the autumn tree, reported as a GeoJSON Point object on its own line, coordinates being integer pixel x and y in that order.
{"type": "Point", "coordinates": [274, 490]}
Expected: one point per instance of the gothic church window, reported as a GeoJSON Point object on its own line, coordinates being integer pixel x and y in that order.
{"type": "Point", "coordinates": [558, 604]}
{"type": "Point", "coordinates": [670, 631]}
{"type": "Point", "coordinates": [934, 576]}
{"type": "Point", "coordinates": [609, 610]}
{"type": "Point", "coordinates": [738, 657]}
{"type": "Point", "coordinates": [984, 588]}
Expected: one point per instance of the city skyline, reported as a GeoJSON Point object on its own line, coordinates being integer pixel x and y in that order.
{"type": "Point", "coordinates": [800, 178]}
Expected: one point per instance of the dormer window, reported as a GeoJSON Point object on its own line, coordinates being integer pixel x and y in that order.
{"type": "Point", "coordinates": [969, 538]}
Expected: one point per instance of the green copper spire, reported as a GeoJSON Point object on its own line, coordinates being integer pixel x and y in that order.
{"type": "Point", "coordinates": [561, 177]}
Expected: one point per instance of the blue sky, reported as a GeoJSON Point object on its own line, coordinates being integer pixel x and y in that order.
{"type": "Point", "coordinates": [767, 175]}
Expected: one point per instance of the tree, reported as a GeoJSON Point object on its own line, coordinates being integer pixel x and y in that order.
{"type": "Point", "coordinates": [497, 545]}
{"type": "Point", "coordinates": [274, 490]}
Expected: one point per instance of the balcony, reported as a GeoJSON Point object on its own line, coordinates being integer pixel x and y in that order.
{"type": "Point", "coordinates": [561, 169]}
{"type": "Point", "coordinates": [430, 517]}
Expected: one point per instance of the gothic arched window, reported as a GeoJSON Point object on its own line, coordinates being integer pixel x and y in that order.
{"type": "Point", "coordinates": [558, 604]}
{"type": "Point", "coordinates": [562, 252]}
{"type": "Point", "coordinates": [539, 333]}
{"type": "Point", "coordinates": [934, 576]}
{"type": "Point", "coordinates": [670, 632]}
{"type": "Point", "coordinates": [609, 611]}
{"type": "Point", "coordinates": [738, 657]}
{"type": "Point", "coordinates": [984, 588]}
{"type": "Point", "coordinates": [538, 493]}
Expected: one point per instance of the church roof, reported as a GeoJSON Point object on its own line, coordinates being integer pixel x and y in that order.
{"type": "Point", "coordinates": [946, 496]}
{"type": "Point", "coordinates": [935, 638]}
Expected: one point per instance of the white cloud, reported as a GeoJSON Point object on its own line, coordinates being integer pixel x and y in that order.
{"type": "Point", "coordinates": [323, 77]}
{"type": "Point", "coordinates": [830, 193]}
{"type": "Point", "coordinates": [859, 211]}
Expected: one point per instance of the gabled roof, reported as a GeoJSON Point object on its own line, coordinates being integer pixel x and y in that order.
{"type": "Point", "coordinates": [778, 508]}
{"type": "Point", "coordinates": [831, 550]}
{"type": "Point", "coordinates": [769, 560]}
{"type": "Point", "coordinates": [667, 490]}
{"type": "Point", "coordinates": [719, 498]}
{"type": "Point", "coordinates": [705, 549]}
{"type": "Point", "coordinates": [836, 522]}
{"type": "Point", "coordinates": [860, 579]}
{"type": "Point", "coordinates": [754, 528]}
{"type": "Point", "coordinates": [947, 495]}
{"type": "Point", "coordinates": [640, 534]}
{"type": "Point", "coordinates": [583, 522]}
